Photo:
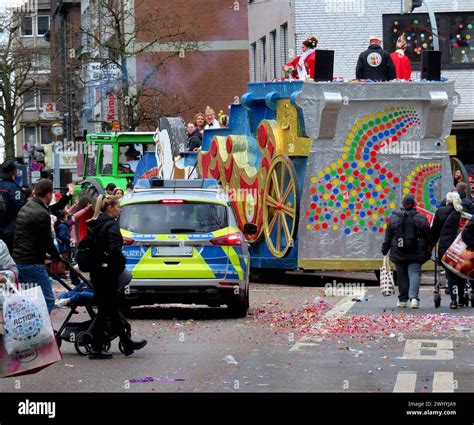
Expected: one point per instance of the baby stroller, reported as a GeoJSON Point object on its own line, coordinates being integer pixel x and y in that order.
{"type": "Point", "coordinates": [82, 295]}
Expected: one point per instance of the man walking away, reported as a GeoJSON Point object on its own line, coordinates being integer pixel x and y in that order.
{"type": "Point", "coordinates": [12, 198]}
{"type": "Point", "coordinates": [407, 239]}
{"type": "Point", "coordinates": [375, 63]}
{"type": "Point", "coordinates": [33, 239]}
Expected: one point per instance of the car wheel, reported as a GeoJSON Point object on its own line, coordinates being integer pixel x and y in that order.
{"type": "Point", "coordinates": [239, 308]}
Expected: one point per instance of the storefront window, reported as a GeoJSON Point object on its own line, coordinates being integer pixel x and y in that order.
{"type": "Point", "coordinates": [461, 39]}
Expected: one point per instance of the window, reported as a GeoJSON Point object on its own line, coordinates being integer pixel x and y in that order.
{"type": "Point", "coordinates": [44, 61]}
{"type": "Point", "coordinates": [253, 62]}
{"type": "Point", "coordinates": [284, 44]}
{"type": "Point", "coordinates": [42, 25]}
{"type": "Point", "coordinates": [456, 37]}
{"type": "Point", "coordinates": [46, 135]}
{"type": "Point", "coordinates": [27, 26]}
{"type": "Point", "coordinates": [190, 217]}
{"type": "Point", "coordinates": [29, 133]}
{"type": "Point", "coordinates": [106, 159]}
{"type": "Point", "coordinates": [263, 59]}
{"type": "Point", "coordinates": [273, 67]}
{"type": "Point", "coordinates": [29, 98]}
{"type": "Point", "coordinates": [45, 97]}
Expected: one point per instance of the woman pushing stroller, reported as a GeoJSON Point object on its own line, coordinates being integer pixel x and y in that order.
{"type": "Point", "coordinates": [108, 265]}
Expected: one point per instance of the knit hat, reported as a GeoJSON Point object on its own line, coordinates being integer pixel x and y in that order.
{"type": "Point", "coordinates": [408, 201]}
{"type": "Point", "coordinates": [402, 42]}
{"type": "Point", "coordinates": [375, 39]}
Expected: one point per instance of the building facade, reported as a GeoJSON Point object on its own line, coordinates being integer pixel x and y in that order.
{"type": "Point", "coordinates": [345, 26]}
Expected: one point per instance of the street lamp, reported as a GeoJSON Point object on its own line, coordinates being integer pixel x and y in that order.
{"type": "Point", "coordinates": [409, 5]}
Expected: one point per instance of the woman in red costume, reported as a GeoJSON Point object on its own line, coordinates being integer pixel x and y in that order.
{"type": "Point", "coordinates": [303, 66]}
{"type": "Point", "coordinates": [401, 61]}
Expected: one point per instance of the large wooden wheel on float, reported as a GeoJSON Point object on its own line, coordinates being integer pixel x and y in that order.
{"type": "Point", "coordinates": [280, 206]}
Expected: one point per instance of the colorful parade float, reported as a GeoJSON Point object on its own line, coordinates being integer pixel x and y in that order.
{"type": "Point", "coordinates": [319, 167]}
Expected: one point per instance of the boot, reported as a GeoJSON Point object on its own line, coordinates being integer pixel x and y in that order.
{"type": "Point", "coordinates": [99, 355]}
{"type": "Point", "coordinates": [130, 346]}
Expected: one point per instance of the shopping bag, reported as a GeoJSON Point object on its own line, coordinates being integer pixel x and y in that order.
{"type": "Point", "coordinates": [28, 362]}
{"type": "Point", "coordinates": [26, 321]}
{"type": "Point", "coordinates": [459, 259]}
{"type": "Point", "coordinates": [4, 288]}
{"type": "Point", "coordinates": [387, 285]}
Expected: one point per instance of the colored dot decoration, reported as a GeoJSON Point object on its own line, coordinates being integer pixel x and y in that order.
{"type": "Point", "coordinates": [421, 183]}
{"type": "Point", "coordinates": [366, 206]}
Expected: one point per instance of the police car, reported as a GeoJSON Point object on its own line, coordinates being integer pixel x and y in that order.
{"type": "Point", "coordinates": [183, 245]}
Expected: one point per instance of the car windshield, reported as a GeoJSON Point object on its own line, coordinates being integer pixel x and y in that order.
{"type": "Point", "coordinates": [161, 218]}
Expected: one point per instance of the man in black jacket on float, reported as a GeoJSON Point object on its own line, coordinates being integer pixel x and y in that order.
{"type": "Point", "coordinates": [34, 239]}
{"type": "Point", "coordinates": [13, 199]}
{"type": "Point", "coordinates": [375, 63]}
{"type": "Point", "coordinates": [408, 262]}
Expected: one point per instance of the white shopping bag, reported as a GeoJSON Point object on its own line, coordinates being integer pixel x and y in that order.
{"type": "Point", "coordinates": [387, 284]}
{"type": "Point", "coordinates": [26, 321]}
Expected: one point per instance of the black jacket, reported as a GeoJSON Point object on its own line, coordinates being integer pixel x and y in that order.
{"type": "Point", "coordinates": [194, 141]}
{"type": "Point", "coordinates": [375, 64]}
{"type": "Point", "coordinates": [468, 234]}
{"type": "Point", "coordinates": [445, 228]}
{"type": "Point", "coordinates": [109, 242]}
{"type": "Point", "coordinates": [33, 234]}
{"type": "Point", "coordinates": [17, 198]}
{"type": "Point", "coordinates": [422, 254]}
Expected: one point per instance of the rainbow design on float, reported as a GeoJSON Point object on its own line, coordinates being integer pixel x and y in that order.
{"type": "Point", "coordinates": [421, 184]}
{"type": "Point", "coordinates": [356, 193]}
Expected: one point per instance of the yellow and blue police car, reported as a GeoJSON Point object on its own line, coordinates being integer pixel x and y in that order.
{"type": "Point", "coordinates": [183, 245]}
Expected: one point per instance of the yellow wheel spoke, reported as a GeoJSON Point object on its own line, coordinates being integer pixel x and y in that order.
{"type": "Point", "coordinates": [278, 241]}
{"type": "Point", "coordinates": [287, 230]}
{"type": "Point", "coordinates": [271, 202]}
{"type": "Point", "coordinates": [288, 190]}
{"type": "Point", "coordinates": [282, 176]}
{"type": "Point", "coordinates": [276, 188]}
{"type": "Point", "coordinates": [289, 211]}
{"type": "Point", "coordinates": [272, 225]}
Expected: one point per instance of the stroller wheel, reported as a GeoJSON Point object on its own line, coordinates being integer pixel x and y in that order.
{"type": "Point", "coordinates": [437, 299]}
{"type": "Point", "coordinates": [82, 344]}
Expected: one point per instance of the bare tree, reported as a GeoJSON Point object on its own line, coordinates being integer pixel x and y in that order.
{"type": "Point", "coordinates": [117, 41]}
{"type": "Point", "coordinates": [17, 62]}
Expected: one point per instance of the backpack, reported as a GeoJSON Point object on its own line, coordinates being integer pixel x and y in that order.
{"type": "Point", "coordinates": [407, 233]}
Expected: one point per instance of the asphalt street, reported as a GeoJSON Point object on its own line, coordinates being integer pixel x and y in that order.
{"type": "Point", "coordinates": [299, 336]}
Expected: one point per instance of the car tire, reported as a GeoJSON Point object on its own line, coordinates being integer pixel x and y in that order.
{"type": "Point", "coordinates": [239, 308]}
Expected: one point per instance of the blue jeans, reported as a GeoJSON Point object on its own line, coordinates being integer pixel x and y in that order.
{"type": "Point", "coordinates": [34, 275]}
{"type": "Point", "coordinates": [409, 280]}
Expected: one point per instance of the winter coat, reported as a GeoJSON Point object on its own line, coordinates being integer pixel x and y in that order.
{"type": "Point", "coordinates": [33, 236]}
{"type": "Point", "coordinates": [468, 234]}
{"type": "Point", "coordinates": [445, 228]}
{"type": "Point", "coordinates": [18, 197]}
{"type": "Point", "coordinates": [109, 242]}
{"type": "Point", "coordinates": [422, 253]}
{"type": "Point", "coordinates": [63, 236]}
{"type": "Point", "coordinates": [194, 141]}
{"type": "Point", "coordinates": [375, 64]}
{"type": "Point", "coordinates": [402, 65]}
{"type": "Point", "coordinates": [7, 265]}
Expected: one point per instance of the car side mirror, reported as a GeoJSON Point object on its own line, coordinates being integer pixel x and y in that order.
{"type": "Point", "coordinates": [250, 229]}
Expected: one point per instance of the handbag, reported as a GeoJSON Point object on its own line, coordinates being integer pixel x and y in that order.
{"type": "Point", "coordinates": [387, 284]}
{"type": "Point", "coordinates": [26, 321]}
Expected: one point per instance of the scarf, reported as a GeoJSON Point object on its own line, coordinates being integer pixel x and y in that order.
{"type": "Point", "coordinates": [301, 68]}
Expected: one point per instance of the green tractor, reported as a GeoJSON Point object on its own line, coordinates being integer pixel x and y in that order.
{"type": "Point", "coordinates": [112, 158]}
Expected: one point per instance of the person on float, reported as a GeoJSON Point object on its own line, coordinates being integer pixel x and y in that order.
{"type": "Point", "coordinates": [375, 63]}
{"type": "Point", "coordinates": [400, 60]}
{"type": "Point", "coordinates": [303, 66]}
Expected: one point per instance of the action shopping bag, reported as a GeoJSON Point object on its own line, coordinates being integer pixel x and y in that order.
{"type": "Point", "coordinates": [387, 284]}
{"type": "Point", "coordinates": [26, 321]}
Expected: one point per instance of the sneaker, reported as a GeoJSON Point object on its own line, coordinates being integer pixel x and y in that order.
{"type": "Point", "coordinates": [453, 305]}
{"type": "Point", "coordinates": [402, 304]}
{"type": "Point", "coordinates": [63, 302]}
{"type": "Point", "coordinates": [415, 303]}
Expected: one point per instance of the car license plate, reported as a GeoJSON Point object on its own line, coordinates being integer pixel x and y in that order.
{"type": "Point", "coordinates": [172, 251]}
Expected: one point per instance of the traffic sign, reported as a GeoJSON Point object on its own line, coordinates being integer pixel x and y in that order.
{"type": "Point", "coordinates": [36, 166]}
